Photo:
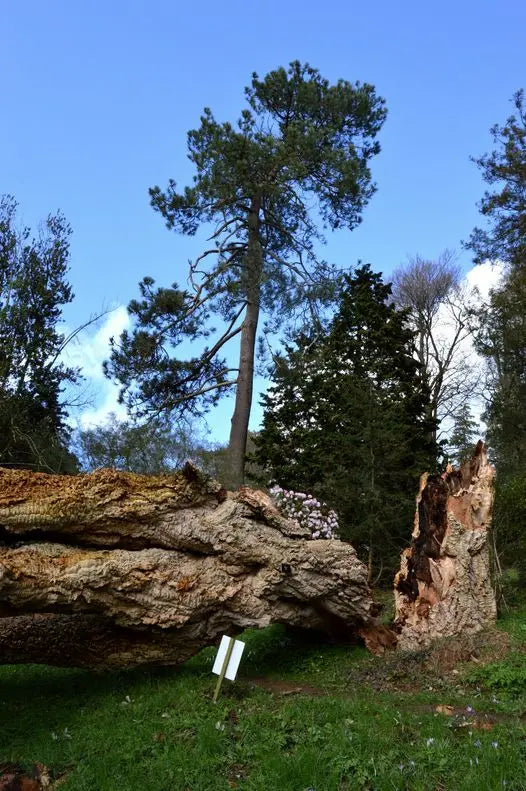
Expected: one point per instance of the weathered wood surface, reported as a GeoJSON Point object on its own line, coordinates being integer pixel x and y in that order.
{"type": "Point", "coordinates": [115, 569]}
{"type": "Point", "coordinates": [444, 584]}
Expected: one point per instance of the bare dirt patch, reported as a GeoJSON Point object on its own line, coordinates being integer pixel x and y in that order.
{"type": "Point", "coordinates": [487, 646]}
{"type": "Point", "coordinates": [286, 687]}
{"type": "Point", "coordinates": [410, 671]}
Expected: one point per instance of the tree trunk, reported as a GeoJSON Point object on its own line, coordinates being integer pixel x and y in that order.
{"type": "Point", "coordinates": [240, 419]}
{"type": "Point", "coordinates": [444, 585]}
{"type": "Point", "coordinates": [115, 569]}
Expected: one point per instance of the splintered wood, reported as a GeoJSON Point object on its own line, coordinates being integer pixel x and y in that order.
{"type": "Point", "coordinates": [444, 584]}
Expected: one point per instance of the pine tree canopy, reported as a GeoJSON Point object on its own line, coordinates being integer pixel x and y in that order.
{"type": "Point", "coordinates": [296, 162]}
{"type": "Point", "coordinates": [505, 207]}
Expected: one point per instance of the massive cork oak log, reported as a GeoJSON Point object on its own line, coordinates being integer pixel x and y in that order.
{"type": "Point", "coordinates": [444, 584]}
{"type": "Point", "coordinates": [113, 569]}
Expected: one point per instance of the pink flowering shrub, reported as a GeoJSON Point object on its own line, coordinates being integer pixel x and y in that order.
{"type": "Point", "coordinates": [307, 511]}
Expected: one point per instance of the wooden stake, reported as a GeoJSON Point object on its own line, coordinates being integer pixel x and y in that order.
{"type": "Point", "coordinates": [229, 649]}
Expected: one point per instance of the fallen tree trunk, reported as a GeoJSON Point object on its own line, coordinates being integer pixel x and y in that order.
{"type": "Point", "coordinates": [114, 569]}
{"type": "Point", "coordinates": [444, 584]}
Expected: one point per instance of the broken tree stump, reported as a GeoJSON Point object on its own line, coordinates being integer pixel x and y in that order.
{"type": "Point", "coordinates": [113, 569]}
{"type": "Point", "coordinates": [444, 584]}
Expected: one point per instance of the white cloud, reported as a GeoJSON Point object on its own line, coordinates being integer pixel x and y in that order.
{"type": "Point", "coordinates": [485, 277]}
{"type": "Point", "coordinates": [92, 346]}
{"type": "Point", "coordinates": [100, 414]}
{"type": "Point", "coordinates": [87, 352]}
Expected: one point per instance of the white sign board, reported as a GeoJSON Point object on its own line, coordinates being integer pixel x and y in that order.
{"type": "Point", "coordinates": [235, 658]}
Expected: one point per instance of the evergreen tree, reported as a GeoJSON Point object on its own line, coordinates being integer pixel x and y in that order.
{"type": "Point", "coordinates": [345, 418]}
{"type": "Point", "coordinates": [300, 143]}
{"type": "Point", "coordinates": [504, 238]}
{"type": "Point", "coordinates": [502, 340]}
{"type": "Point", "coordinates": [33, 289]}
{"type": "Point", "coordinates": [502, 336]}
{"type": "Point", "coordinates": [464, 436]}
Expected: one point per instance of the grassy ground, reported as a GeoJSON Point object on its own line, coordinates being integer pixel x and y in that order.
{"type": "Point", "coordinates": [303, 717]}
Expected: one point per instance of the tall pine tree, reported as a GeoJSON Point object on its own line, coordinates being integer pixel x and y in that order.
{"type": "Point", "coordinates": [298, 155]}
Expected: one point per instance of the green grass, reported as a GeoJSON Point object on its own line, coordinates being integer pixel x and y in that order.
{"type": "Point", "coordinates": [358, 722]}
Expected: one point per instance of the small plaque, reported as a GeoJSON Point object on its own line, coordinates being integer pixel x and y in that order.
{"type": "Point", "coordinates": [233, 662]}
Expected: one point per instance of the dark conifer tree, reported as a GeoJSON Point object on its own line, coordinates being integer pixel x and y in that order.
{"type": "Point", "coordinates": [345, 418]}
{"type": "Point", "coordinates": [33, 290]}
{"type": "Point", "coordinates": [502, 336]}
{"type": "Point", "coordinates": [464, 436]}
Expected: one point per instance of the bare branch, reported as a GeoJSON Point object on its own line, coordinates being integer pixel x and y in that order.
{"type": "Point", "coordinates": [76, 332]}
{"type": "Point", "coordinates": [439, 313]}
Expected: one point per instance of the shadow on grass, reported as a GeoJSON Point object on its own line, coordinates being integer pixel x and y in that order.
{"type": "Point", "coordinates": [275, 649]}
{"type": "Point", "coordinates": [37, 701]}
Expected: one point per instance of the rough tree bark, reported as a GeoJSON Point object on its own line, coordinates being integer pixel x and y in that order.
{"type": "Point", "coordinates": [114, 569]}
{"type": "Point", "coordinates": [237, 446]}
{"type": "Point", "coordinates": [444, 584]}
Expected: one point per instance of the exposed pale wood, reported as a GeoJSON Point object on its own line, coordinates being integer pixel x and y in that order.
{"type": "Point", "coordinates": [444, 584]}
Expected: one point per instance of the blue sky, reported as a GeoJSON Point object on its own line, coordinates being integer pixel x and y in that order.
{"type": "Point", "coordinates": [98, 97]}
